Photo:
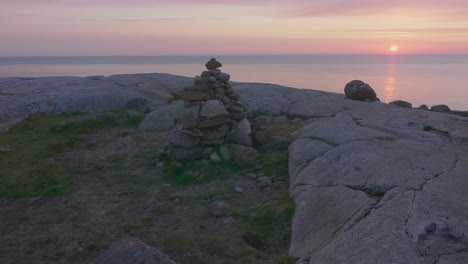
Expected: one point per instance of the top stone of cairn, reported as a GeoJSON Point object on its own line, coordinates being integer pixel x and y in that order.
{"type": "Point", "coordinates": [213, 64]}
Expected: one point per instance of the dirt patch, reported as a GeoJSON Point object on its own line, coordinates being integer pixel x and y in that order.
{"type": "Point", "coordinates": [117, 191]}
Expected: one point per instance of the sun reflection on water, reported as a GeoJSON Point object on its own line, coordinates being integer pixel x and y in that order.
{"type": "Point", "coordinates": [390, 83]}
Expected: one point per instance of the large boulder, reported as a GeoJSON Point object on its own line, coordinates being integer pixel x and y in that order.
{"type": "Point", "coordinates": [131, 251]}
{"type": "Point", "coordinates": [361, 91]}
{"type": "Point", "coordinates": [164, 117]}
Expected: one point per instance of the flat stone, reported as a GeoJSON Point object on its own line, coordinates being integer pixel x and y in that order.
{"type": "Point", "coordinates": [183, 140]}
{"type": "Point", "coordinates": [224, 77]}
{"type": "Point", "coordinates": [131, 251]}
{"type": "Point", "coordinates": [238, 136]}
{"type": "Point", "coordinates": [213, 109]}
{"type": "Point", "coordinates": [213, 122]}
{"type": "Point", "coordinates": [212, 142]}
{"type": "Point", "coordinates": [193, 96]}
{"type": "Point", "coordinates": [190, 117]}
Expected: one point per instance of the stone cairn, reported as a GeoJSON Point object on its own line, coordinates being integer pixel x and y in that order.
{"type": "Point", "coordinates": [214, 125]}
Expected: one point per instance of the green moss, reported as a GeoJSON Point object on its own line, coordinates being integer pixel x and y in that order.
{"type": "Point", "coordinates": [33, 167]}
{"type": "Point", "coordinates": [53, 215]}
{"type": "Point", "coordinates": [181, 173]}
{"type": "Point", "coordinates": [284, 129]}
{"type": "Point", "coordinates": [389, 139]}
{"type": "Point", "coordinates": [273, 163]}
{"type": "Point", "coordinates": [268, 226]}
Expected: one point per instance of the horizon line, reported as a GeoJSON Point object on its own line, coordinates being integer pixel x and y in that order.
{"type": "Point", "coordinates": [239, 55]}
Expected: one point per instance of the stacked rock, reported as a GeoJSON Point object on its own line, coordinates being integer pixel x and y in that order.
{"type": "Point", "coordinates": [214, 124]}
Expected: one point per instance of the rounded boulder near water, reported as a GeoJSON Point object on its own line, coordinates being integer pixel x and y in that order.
{"type": "Point", "coordinates": [361, 91]}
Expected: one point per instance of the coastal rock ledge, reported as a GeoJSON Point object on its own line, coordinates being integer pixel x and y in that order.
{"type": "Point", "coordinates": [372, 183]}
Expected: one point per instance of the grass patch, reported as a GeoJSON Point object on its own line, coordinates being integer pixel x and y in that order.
{"type": "Point", "coordinates": [268, 226]}
{"type": "Point", "coordinates": [32, 167]}
{"type": "Point", "coordinates": [273, 163]}
{"type": "Point", "coordinates": [181, 174]}
{"type": "Point", "coordinates": [284, 129]}
{"type": "Point", "coordinates": [53, 215]}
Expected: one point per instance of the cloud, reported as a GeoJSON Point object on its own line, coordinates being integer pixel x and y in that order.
{"type": "Point", "coordinates": [399, 31]}
{"type": "Point", "coordinates": [454, 9]}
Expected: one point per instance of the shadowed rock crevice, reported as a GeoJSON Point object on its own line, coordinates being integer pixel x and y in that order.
{"type": "Point", "coordinates": [440, 239]}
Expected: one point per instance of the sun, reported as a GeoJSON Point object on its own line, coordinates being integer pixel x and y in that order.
{"type": "Point", "coordinates": [393, 48]}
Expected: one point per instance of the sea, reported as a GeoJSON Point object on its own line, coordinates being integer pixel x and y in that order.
{"type": "Point", "coordinates": [418, 79]}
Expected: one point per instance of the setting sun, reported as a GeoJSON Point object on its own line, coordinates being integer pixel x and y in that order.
{"type": "Point", "coordinates": [394, 48]}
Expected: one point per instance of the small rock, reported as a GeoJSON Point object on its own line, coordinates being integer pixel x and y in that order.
{"type": "Point", "coordinates": [218, 208]}
{"type": "Point", "coordinates": [39, 241]}
{"type": "Point", "coordinates": [250, 176]}
{"type": "Point", "coordinates": [196, 174]}
{"type": "Point", "coordinates": [244, 125]}
{"type": "Point", "coordinates": [167, 185]}
{"type": "Point", "coordinates": [423, 107]}
{"type": "Point", "coordinates": [238, 189]}
{"type": "Point", "coordinates": [213, 64]}
{"type": "Point", "coordinates": [224, 152]}
{"type": "Point", "coordinates": [4, 149]}
{"type": "Point", "coordinates": [35, 201]}
{"type": "Point", "coordinates": [279, 119]}
{"type": "Point", "coordinates": [224, 77]}
{"type": "Point", "coordinates": [214, 157]}
{"type": "Point", "coordinates": [262, 137]}
{"type": "Point", "coordinates": [160, 164]}
{"type": "Point", "coordinates": [207, 152]}
{"type": "Point", "coordinates": [263, 178]}
{"type": "Point", "coordinates": [401, 103]}
{"type": "Point", "coordinates": [243, 156]}
{"type": "Point", "coordinates": [441, 108]}
{"type": "Point", "coordinates": [205, 162]}
{"type": "Point", "coordinates": [228, 220]}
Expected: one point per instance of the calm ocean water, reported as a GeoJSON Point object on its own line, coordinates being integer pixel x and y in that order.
{"type": "Point", "coordinates": [419, 79]}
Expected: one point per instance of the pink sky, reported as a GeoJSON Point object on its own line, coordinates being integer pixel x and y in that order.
{"type": "Point", "coordinates": [182, 27]}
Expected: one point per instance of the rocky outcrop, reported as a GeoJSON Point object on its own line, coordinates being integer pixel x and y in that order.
{"type": "Point", "coordinates": [21, 97]}
{"type": "Point", "coordinates": [372, 183]}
